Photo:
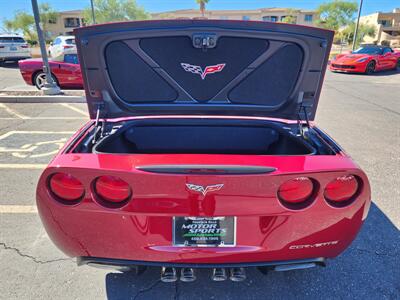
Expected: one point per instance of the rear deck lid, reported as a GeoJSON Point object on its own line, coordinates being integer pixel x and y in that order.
{"type": "Point", "coordinates": [203, 67]}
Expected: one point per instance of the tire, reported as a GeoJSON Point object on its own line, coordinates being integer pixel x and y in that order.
{"type": "Point", "coordinates": [40, 78]}
{"type": "Point", "coordinates": [370, 69]}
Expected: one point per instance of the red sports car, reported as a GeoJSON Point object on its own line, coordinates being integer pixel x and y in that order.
{"type": "Point", "coordinates": [367, 59]}
{"type": "Point", "coordinates": [65, 69]}
{"type": "Point", "coordinates": [202, 152]}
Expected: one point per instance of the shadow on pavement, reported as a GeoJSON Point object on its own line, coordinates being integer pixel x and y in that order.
{"type": "Point", "coordinates": [9, 65]}
{"type": "Point", "coordinates": [369, 269]}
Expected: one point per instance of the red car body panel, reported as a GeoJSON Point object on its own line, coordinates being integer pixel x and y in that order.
{"type": "Point", "coordinates": [69, 76]}
{"type": "Point", "coordinates": [348, 63]}
{"type": "Point", "coordinates": [142, 229]}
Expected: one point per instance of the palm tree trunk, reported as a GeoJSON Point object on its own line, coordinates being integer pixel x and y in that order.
{"type": "Point", "coordinates": [202, 8]}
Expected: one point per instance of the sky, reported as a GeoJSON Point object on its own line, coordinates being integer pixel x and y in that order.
{"type": "Point", "coordinates": [8, 7]}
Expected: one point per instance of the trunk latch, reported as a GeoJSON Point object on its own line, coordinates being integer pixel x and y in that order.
{"type": "Point", "coordinates": [204, 41]}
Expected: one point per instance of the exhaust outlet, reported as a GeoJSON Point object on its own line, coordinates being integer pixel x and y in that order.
{"type": "Point", "coordinates": [187, 275]}
{"type": "Point", "coordinates": [283, 268]}
{"type": "Point", "coordinates": [168, 274]}
{"type": "Point", "coordinates": [237, 274]}
{"type": "Point", "coordinates": [219, 274]}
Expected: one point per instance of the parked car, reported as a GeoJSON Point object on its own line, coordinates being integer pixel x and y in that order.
{"type": "Point", "coordinates": [13, 48]}
{"type": "Point", "coordinates": [202, 152]}
{"type": "Point", "coordinates": [367, 59]}
{"type": "Point", "coordinates": [65, 69]}
{"type": "Point", "coordinates": [62, 45]}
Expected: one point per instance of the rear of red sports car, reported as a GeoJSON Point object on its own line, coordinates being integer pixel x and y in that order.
{"type": "Point", "coordinates": [202, 152]}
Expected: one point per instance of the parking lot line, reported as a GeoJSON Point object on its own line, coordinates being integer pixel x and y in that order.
{"type": "Point", "coordinates": [33, 132]}
{"type": "Point", "coordinates": [23, 166]}
{"type": "Point", "coordinates": [13, 112]}
{"type": "Point", "coordinates": [49, 118]}
{"type": "Point", "coordinates": [18, 209]}
{"type": "Point", "coordinates": [74, 109]}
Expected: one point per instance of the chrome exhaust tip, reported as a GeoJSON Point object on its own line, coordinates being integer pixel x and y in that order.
{"type": "Point", "coordinates": [237, 274]}
{"type": "Point", "coordinates": [219, 274]}
{"type": "Point", "coordinates": [168, 274]}
{"type": "Point", "coordinates": [187, 275]}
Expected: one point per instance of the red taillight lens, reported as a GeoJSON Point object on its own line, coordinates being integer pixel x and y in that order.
{"type": "Point", "coordinates": [24, 46]}
{"type": "Point", "coordinates": [296, 190]}
{"type": "Point", "coordinates": [66, 46]}
{"type": "Point", "coordinates": [66, 187]}
{"type": "Point", "coordinates": [341, 189]}
{"type": "Point", "coordinates": [112, 189]}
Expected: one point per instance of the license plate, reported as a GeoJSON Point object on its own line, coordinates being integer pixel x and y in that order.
{"type": "Point", "coordinates": [13, 48]}
{"type": "Point", "coordinates": [204, 232]}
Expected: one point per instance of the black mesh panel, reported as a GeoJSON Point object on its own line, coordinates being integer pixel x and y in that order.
{"type": "Point", "coordinates": [133, 80]}
{"type": "Point", "coordinates": [273, 81]}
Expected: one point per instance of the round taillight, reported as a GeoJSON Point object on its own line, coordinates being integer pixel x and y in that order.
{"type": "Point", "coordinates": [296, 190]}
{"type": "Point", "coordinates": [112, 189]}
{"type": "Point", "coordinates": [66, 187]}
{"type": "Point", "coordinates": [341, 189]}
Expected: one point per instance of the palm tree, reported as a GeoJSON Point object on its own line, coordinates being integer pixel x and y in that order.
{"type": "Point", "coordinates": [202, 4]}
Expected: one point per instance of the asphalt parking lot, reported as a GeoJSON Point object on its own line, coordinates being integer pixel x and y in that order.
{"type": "Point", "coordinates": [361, 112]}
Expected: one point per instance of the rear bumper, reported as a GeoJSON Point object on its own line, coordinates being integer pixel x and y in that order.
{"type": "Point", "coordinates": [13, 58]}
{"type": "Point", "coordinates": [263, 237]}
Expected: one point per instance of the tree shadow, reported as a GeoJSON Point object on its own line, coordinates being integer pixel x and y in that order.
{"type": "Point", "coordinates": [368, 269]}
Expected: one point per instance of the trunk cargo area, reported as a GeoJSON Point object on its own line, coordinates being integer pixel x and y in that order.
{"type": "Point", "coordinates": [202, 136]}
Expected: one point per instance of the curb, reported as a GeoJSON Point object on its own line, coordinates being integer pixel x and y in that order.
{"type": "Point", "coordinates": [42, 99]}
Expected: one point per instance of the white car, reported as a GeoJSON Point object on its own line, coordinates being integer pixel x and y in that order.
{"type": "Point", "coordinates": [62, 45]}
{"type": "Point", "coordinates": [13, 48]}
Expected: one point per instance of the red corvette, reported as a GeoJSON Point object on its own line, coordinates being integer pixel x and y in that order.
{"type": "Point", "coordinates": [202, 152]}
{"type": "Point", "coordinates": [66, 72]}
{"type": "Point", "coordinates": [367, 59]}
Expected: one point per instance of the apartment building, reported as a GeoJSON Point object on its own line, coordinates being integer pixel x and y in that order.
{"type": "Point", "coordinates": [387, 27]}
{"type": "Point", "coordinates": [65, 23]}
{"type": "Point", "coordinates": [302, 17]}
{"type": "Point", "coordinates": [68, 20]}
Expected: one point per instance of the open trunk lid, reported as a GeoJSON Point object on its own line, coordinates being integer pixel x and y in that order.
{"type": "Point", "coordinates": [203, 67]}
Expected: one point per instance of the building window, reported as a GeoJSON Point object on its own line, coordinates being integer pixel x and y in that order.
{"type": "Point", "coordinates": [308, 18]}
{"type": "Point", "coordinates": [246, 18]}
{"type": "Point", "coordinates": [274, 19]}
{"type": "Point", "coordinates": [384, 23]}
{"type": "Point", "coordinates": [282, 18]}
{"type": "Point", "coordinates": [52, 21]}
{"type": "Point", "coordinates": [71, 22]}
{"type": "Point", "coordinates": [266, 18]}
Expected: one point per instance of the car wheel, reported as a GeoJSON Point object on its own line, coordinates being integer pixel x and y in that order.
{"type": "Point", "coordinates": [40, 80]}
{"type": "Point", "coordinates": [370, 68]}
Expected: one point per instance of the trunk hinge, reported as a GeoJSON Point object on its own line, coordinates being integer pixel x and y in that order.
{"type": "Point", "coordinates": [302, 114]}
{"type": "Point", "coordinates": [99, 128]}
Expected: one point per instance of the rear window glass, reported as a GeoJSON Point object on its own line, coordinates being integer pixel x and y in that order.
{"type": "Point", "coordinates": [70, 42]}
{"type": "Point", "coordinates": [11, 39]}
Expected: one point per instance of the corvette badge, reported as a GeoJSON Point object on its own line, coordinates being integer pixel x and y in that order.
{"type": "Point", "coordinates": [204, 190]}
{"type": "Point", "coordinates": [199, 71]}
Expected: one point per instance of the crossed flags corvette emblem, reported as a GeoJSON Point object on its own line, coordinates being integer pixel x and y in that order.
{"type": "Point", "coordinates": [204, 190]}
{"type": "Point", "coordinates": [203, 73]}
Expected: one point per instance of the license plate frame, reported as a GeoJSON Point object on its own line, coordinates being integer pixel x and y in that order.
{"type": "Point", "coordinates": [209, 231]}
